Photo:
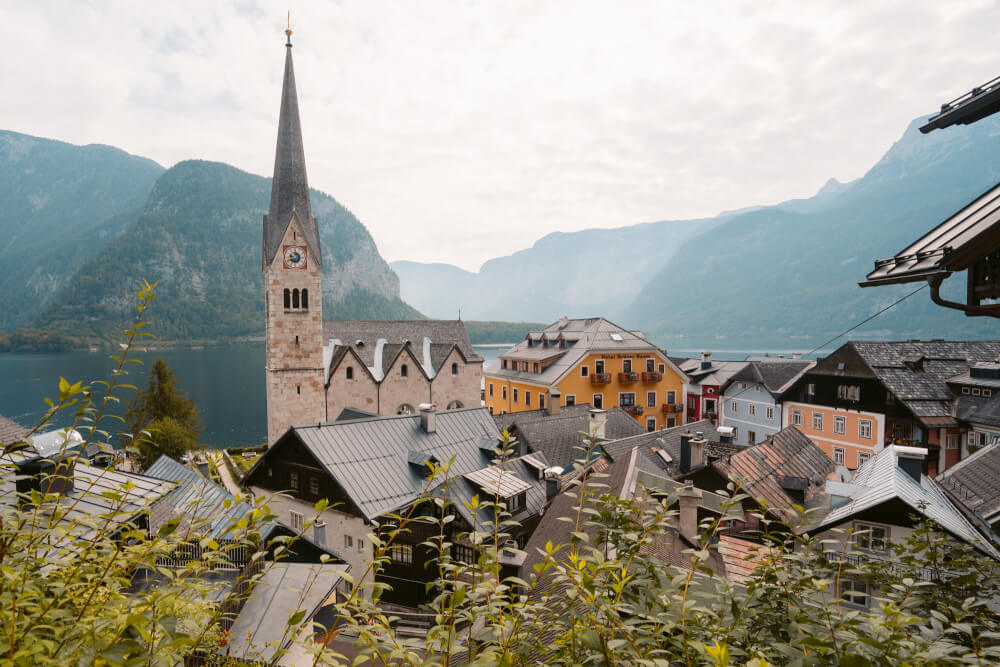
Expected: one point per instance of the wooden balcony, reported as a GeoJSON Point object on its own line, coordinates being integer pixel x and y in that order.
{"type": "Point", "coordinates": [634, 410]}
{"type": "Point", "coordinates": [671, 408]}
{"type": "Point", "coordinates": [600, 378]}
{"type": "Point", "coordinates": [626, 378]}
{"type": "Point", "coordinates": [651, 376]}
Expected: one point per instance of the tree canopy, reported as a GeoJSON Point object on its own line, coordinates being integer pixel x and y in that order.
{"type": "Point", "coordinates": [161, 418]}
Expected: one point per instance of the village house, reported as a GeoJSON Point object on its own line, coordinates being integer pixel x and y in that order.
{"type": "Point", "coordinates": [588, 360]}
{"type": "Point", "coordinates": [974, 485]}
{"type": "Point", "coordinates": [751, 399]}
{"type": "Point", "coordinates": [704, 387]}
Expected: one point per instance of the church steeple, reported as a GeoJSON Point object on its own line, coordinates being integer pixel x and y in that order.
{"type": "Point", "coordinates": [290, 187]}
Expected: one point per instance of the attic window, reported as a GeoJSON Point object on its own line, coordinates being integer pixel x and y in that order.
{"type": "Point", "coordinates": [350, 373]}
{"type": "Point", "coordinates": [616, 337]}
{"type": "Point", "coordinates": [841, 366]}
{"type": "Point", "coordinates": [422, 461]}
{"type": "Point", "coordinates": [404, 371]}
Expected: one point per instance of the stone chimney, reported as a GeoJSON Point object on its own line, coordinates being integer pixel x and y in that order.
{"type": "Point", "coordinates": [687, 501]}
{"type": "Point", "coordinates": [911, 460]}
{"type": "Point", "coordinates": [697, 445]}
{"type": "Point", "coordinates": [551, 476]}
{"type": "Point", "coordinates": [45, 475]}
{"type": "Point", "coordinates": [552, 403]}
{"type": "Point", "coordinates": [706, 360]}
{"type": "Point", "coordinates": [686, 451]}
{"type": "Point", "coordinates": [598, 421]}
{"type": "Point", "coordinates": [428, 417]}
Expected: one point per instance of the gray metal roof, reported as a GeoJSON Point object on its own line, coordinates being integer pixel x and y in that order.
{"type": "Point", "coordinates": [881, 480]}
{"type": "Point", "coordinates": [975, 482]}
{"type": "Point", "coordinates": [967, 236]}
{"type": "Point", "coordinates": [967, 108]}
{"type": "Point", "coordinates": [717, 374]}
{"type": "Point", "coordinates": [669, 440]}
{"type": "Point", "coordinates": [497, 481]}
{"type": "Point", "coordinates": [369, 458]}
{"type": "Point", "coordinates": [289, 186]}
{"type": "Point", "coordinates": [11, 431]}
{"type": "Point", "coordinates": [261, 629]}
{"type": "Point", "coordinates": [777, 376]}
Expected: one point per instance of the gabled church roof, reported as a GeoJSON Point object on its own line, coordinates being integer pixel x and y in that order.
{"type": "Point", "coordinates": [289, 186]}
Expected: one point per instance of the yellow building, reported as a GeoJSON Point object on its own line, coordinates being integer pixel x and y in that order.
{"type": "Point", "coordinates": [591, 361]}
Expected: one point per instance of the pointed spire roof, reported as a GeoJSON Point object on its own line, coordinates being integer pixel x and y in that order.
{"type": "Point", "coordinates": [289, 187]}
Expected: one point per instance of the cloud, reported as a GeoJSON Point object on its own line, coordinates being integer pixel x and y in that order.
{"type": "Point", "coordinates": [462, 132]}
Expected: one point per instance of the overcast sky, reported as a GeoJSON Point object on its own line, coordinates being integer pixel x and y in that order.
{"type": "Point", "coordinates": [458, 132]}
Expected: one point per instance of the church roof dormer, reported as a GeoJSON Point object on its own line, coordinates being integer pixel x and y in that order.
{"type": "Point", "coordinates": [289, 187]}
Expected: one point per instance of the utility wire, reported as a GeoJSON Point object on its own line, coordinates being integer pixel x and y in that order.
{"type": "Point", "coordinates": [869, 319]}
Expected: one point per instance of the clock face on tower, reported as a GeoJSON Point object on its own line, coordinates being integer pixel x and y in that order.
{"type": "Point", "coordinates": [295, 257]}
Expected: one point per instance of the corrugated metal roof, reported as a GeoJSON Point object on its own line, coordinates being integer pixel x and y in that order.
{"type": "Point", "coordinates": [885, 480]}
{"type": "Point", "coordinates": [496, 481]}
{"type": "Point", "coordinates": [11, 431]}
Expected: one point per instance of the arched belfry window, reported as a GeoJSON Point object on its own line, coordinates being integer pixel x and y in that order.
{"type": "Point", "coordinates": [295, 298]}
{"type": "Point", "coordinates": [454, 369]}
{"type": "Point", "coordinates": [404, 371]}
{"type": "Point", "coordinates": [305, 298]}
{"type": "Point", "coordinates": [288, 298]}
{"type": "Point", "coordinates": [350, 373]}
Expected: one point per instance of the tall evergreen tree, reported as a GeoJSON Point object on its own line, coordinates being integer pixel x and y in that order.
{"type": "Point", "coordinates": [166, 413]}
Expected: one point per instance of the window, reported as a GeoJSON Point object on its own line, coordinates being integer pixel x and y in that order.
{"type": "Point", "coordinates": [515, 394]}
{"type": "Point", "coordinates": [527, 397]}
{"type": "Point", "coordinates": [570, 399]}
{"type": "Point", "coordinates": [454, 405]}
{"type": "Point", "coordinates": [305, 298]}
{"type": "Point", "coordinates": [965, 390]}
{"type": "Point", "coordinates": [597, 400]}
{"type": "Point", "coordinates": [854, 592]}
{"type": "Point", "coordinates": [401, 553]}
{"type": "Point", "coordinates": [293, 479]}
{"type": "Point", "coordinates": [404, 371]}
{"type": "Point", "coordinates": [734, 407]}
{"type": "Point", "coordinates": [839, 424]}
{"type": "Point", "coordinates": [348, 542]}
{"type": "Point", "coordinates": [662, 368]}
{"type": "Point", "coordinates": [839, 456]}
{"type": "Point", "coordinates": [454, 368]}
{"type": "Point", "coordinates": [671, 422]}
{"type": "Point", "coordinates": [584, 371]}
{"type": "Point", "coordinates": [541, 400]}
{"type": "Point", "coordinates": [650, 365]}
{"type": "Point", "coordinates": [769, 413]}
{"type": "Point", "coordinates": [710, 407]}
{"type": "Point", "coordinates": [871, 537]}
{"type": "Point", "coordinates": [865, 429]}
{"type": "Point", "coordinates": [295, 518]}
{"type": "Point", "coordinates": [288, 298]}
{"type": "Point", "coordinates": [743, 385]}
{"type": "Point", "coordinates": [404, 409]}
{"type": "Point", "coordinates": [361, 545]}
{"type": "Point", "coordinates": [504, 390]}
{"type": "Point", "coordinates": [849, 392]}
{"type": "Point", "coordinates": [626, 399]}
{"type": "Point", "coordinates": [650, 399]}
{"type": "Point", "coordinates": [295, 298]}
{"type": "Point", "coordinates": [987, 392]}
{"type": "Point", "coordinates": [863, 458]}
{"type": "Point", "coordinates": [491, 388]}
{"type": "Point", "coordinates": [599, 366]}
{"type": "Point", "coordinates": [817, 421]}
{"type": "Point", "coordinates": [975, 391]}
{"type": "Point", "coordinates": [298, 389]}
{"type": "Point", "coordinates": [736, 432]}
{"type": "Point", "coordinates": [971, 439]}
{"type": "Point", "coordinates": [751, 437]}
{"type": "Point", "coordinates": [349, 373]}
{"type": "Point", "coordinates": [671, 397]}
{"type": "Point", "coordinates": [464, 554]}
{"type": "Point", "coordinates": [314, 486]}
{"type": "Point", "coordinates": [952, 441]}
{"type": "Point", "coordinates": [751, 409]}
{"type": "Point", "coordinates": [626, 365]}
{"type": "Point", "coordinates": [650, 424]}
{"type": "Point", "coordinates": [517, 503]}
{"type": "Point", "coordinates": [796, 418]}
{"type": "Point", "coordinates": [811, 389]}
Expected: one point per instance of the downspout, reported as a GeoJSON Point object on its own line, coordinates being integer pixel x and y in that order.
{"type": "Point", "coordinates": [970, 311]}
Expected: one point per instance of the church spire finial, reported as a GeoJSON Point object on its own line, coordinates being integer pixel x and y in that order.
{"type": "Point", "coordinates": [288, 29]}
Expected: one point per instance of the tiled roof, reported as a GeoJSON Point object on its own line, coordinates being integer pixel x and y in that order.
{"type": "Point", "coordinates": [955, 244]}
{"type": "Point", "coordinates": [582, 336]}
{"type": "Point", "coordinates": [561, 437]}
{"type": "Point", "coordinates": [11, 431]}
{"type": "Point", "coordinates": [717, 374]}
{"type": "Point", "coordinates": [881, 480]}
{"type": "Point", "coordinates": [740, 556]}
{"type": "Point", "coordinates": [764, 470]}
{"type": "Point", "coordinates": [979, 409]}
{"type": "Point", "coordinates": [668, 441]}
{"type": "Point", "coordinates": [776, 376]}
{"type": "Point", "coordinates": [289, 185]}
{"type": "Point", "coordinates": [369, 458]}
{"type": "Point", "coordinates": [975, 482]}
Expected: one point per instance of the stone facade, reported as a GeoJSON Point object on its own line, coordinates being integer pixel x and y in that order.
{"type": "Point", "coordinates": [461, 386]}
{"type": "Point", "coordinates": [351, 386]}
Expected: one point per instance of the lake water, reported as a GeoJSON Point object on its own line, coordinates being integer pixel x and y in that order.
{"type": "Point", "coordinates": [227, 383]}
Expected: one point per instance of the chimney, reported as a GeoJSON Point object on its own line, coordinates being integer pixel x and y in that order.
{"type": "Point", "coordinates": [45, 475]}
{"type": "Point", "coordinates": [427, 417]}
{"type": "Point", "coordinates": [911, 460]}
{"type": "Point", "coordinates": [319, 533]}
{"type": "Point", "coordinates": [552, 403]}
{"type": "Point", "coordinates": [598, 420]}
{"type": "Point", "coordinates": [706, 360]}
{"type": "Point", "coordinates": [551, 476]}
{"type": "Point", "coordinates": [697, 447]}
{"type": "Point", "coordinates": [796, 355]}
{"type": "Point", "coordinates": [687, 501]}
{"type": "Point", "coordinates": [686, 451]}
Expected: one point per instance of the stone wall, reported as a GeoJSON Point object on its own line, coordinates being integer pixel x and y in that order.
{"type": "Point", "coordinates": [464, 386]}
{"type": "Point", "coordinates": [361, 391]}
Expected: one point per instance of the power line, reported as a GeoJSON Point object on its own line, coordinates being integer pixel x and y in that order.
{"type": "Point", "coordinates": [869, 319]}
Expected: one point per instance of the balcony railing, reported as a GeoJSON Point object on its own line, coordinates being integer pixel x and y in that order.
{"type": "Point", "coordinates": [625, 378]}
{"type": "Point", "coordinates": [671, 408]}
{"type": "Point", "coordinates": [600, 378]}
{"type": "Point", "coordinates": [651, 376]}
{"type": "Point", "coordinates": [634, 410]}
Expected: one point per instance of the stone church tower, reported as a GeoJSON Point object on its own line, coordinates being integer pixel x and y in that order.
{"type": "Point", "coordinates": [292, 266]}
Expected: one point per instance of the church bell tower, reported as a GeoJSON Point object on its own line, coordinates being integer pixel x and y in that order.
{"type": "Point", "coordinates": [292, 266]}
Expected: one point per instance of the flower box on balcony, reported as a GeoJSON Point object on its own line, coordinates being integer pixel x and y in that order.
{"type": "Point", "coordinates": [633, 410]}
{"type": "Point", "coordinates": [651, 376]}
{"type": "Point", "coordinates": [671, 408]}
{"type": "Point", "coordinates": [600, 378]}
{"type": "Point", "coordinates": [628, 377]}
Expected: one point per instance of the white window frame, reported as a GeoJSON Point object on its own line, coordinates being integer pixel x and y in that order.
{"type": "Point", "coordinates": [854, 592]}
{"type": "Point", "coordinates": [769, 413]}
{"type": "Point", "coordinates": [839, 456]}
{"type": "Point", "coordinates": [975, 391]}
{"type": "Point", "coordinates": [600, 367]}
{"type": "Point", "coordinates": [987, 392]}
{"type": "Point", "coordinates": [736, 432]}
{"type": "Point", "coordinates": [650, 399]}
{"type": "Point", "coordinates": [570, 399]}
{"type": "Point", "coordinates": [527, 397]}
{"type": "Point", "coordinates": [348, 541]}
{"type": "Point", "coordinates": [626, 365]}
{"type": "Point", "coordinates": [296, 520]}
{"type": "Point", "coordinates": [597, 398]}
{"type": "Point", "coordinates": [863, 458]}
{"type": "Point", "coordinates": [504, 392]}
{"type": "Point", "coordinates": [514, 394]}
{"type": "Point", "coordinates": [953, 441]}
{"type": "Point", "coordinates": [650, 421]}
{"type": "Point", "coordinates": [621, 403]}
{"type": "Point", "coordinates": [864, 536]}
{"type": "Point", "coordinates": [734, 407]}
{"type": "Point", "coordinates": [661, 368]}
{"type": "Point", "coordinates": [817, 419]}
{"type": "Point", "coordinates": [796, 417]}
{"type": "Point", "coordinates": [840, 424]}
{"type": "Point", "coordinates": [751, 409]}
{"type": "Point", "coordinates": [671, 396]}
{"type": "Point", "coordinates": [584, 371]}
{"type": "Point", "coordinates": [862, 424]}
{"type": "Point", "coordinates": [491, 390]}
{"type": "Point", "coordinates": [752, 437]}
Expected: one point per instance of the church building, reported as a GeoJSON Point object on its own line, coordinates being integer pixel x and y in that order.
{"type": "Point", "coordinates": [315, 370]}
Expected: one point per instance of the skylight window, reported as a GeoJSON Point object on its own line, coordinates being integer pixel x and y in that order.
{"type": "Point", "coordinates": [617, 337]}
